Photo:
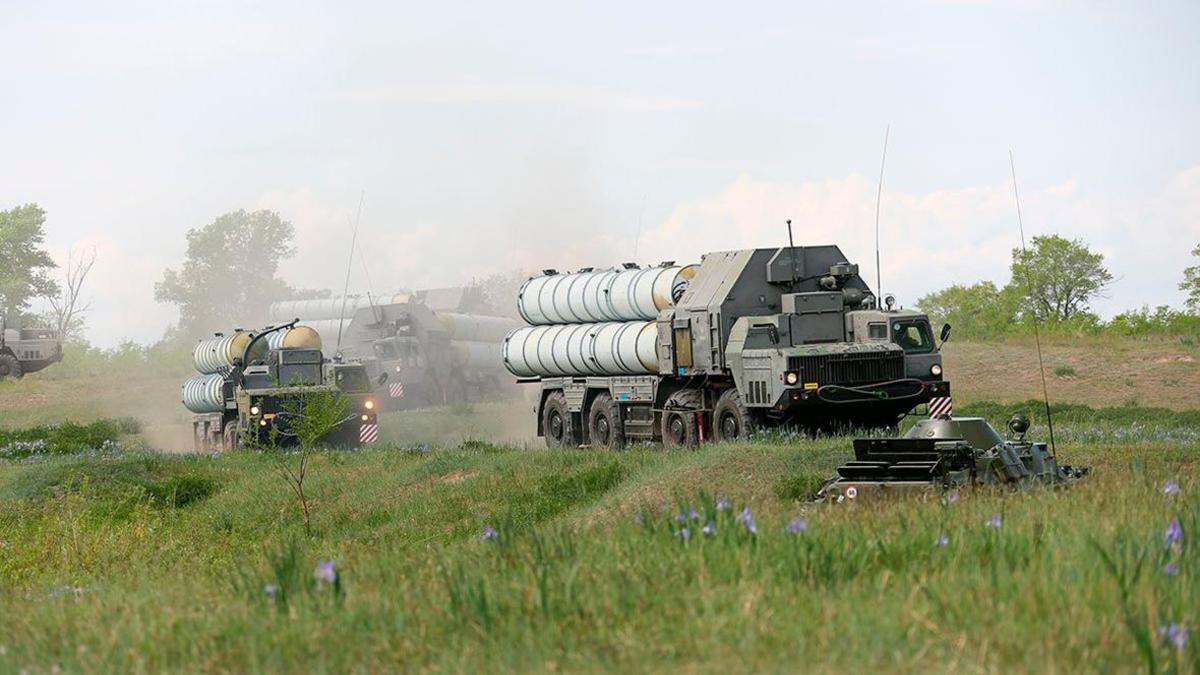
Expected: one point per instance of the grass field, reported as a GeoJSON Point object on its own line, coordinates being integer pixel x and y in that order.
{"type": "Point", "coordinates": [469, 555]}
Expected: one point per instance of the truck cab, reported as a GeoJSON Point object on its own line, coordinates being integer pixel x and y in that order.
{"type": "Point", "coordinates": [271, 391]}
{"type": "Point", "coordinates": [908, 330]}
{"type": "Point", "coordinates": [27, 350]}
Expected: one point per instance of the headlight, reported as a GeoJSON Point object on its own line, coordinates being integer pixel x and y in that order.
{"type": "Point", "coordinates": [254, 410]}
{"type": "Point", "coordinates": [791, 378]}
{"type": "Point", "coordinates": [935, 370]}
{"type": "Point", "coordinates": [366, 417]}
{"type": "Point", "coordinates": [262, 423]}
{"type": "Point", "coordinates": [397, 369]}
{"type": "Point", "coordinates": [369, 405]}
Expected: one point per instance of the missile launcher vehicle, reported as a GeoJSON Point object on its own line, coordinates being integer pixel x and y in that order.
{"type": "Point", "coordinates": [434, 345]}
{"type": "Point", "coordinates": [946, 453]}
{"type": "Point", "coordinates": [252, 384]}
{"type": "Point", "coordinates": [744, 340]}
{"type": "Point", "coordinates": [27, 350]}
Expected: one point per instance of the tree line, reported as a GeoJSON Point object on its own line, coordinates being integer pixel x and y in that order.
{"type": "Point", "coordinates": [230, 274]}
{"type": "Point", "coordinates": [1054, 283]}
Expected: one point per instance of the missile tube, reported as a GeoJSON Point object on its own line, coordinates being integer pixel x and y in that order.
{"type": "Point", "coordinates": [608, 295]}
{"type": "Point", "coordinates": [216, 354]}
{"type": "Point", "coordinates": [328, 308]}
{"type": "Point", "coordinates": [615, 348]}
{"type": "Point", "coordinates": [202, 393]}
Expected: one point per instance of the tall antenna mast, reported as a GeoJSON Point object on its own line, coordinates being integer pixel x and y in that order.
{"type": "Point", "coordinates": [878, 200]}
{"type": "Point", "coordinates": [1037, 340]}
{"type": "Point", "coordinates": [349, 266]}
{"type": "Point", "coordinates": [792, 251]}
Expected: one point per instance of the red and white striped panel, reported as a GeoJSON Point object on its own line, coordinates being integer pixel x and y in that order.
{"type": "Point", "coordinates": [941, 405]}
{"type": "Point", "coordinates": [368, 433]}
{"type": "Point", "coordinates": [396, 390]}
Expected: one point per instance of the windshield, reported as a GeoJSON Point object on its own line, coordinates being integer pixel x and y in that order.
{"type": "Point", "coordinates": [352, 380]}
{"type": "Point", "coordinates": [913, 335]}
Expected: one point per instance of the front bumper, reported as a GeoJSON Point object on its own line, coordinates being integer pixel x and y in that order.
{"type": "Point", "coordinates": [910, 392]}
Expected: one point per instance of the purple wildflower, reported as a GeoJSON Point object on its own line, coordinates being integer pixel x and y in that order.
{"type": "Point", "coordinates": [690, 514]}
{"type": "Point", "coordinates": [1174, 533]}
{"type": "Point", "coordinates": [1176, 634]}
{"type": "Point", "coordinates": [325, 571]}
{"type": "Point", "coordinates": [1171, 487]}
{"type": "Point", "coordinates": [684, 533]}
{"type": "Point", "coordinates": [489, 533]}
{"type": "Point", "coordinates": [951, 497]}
{"type": "Point", "coordinates": [271, 590]}
{"type": "Point", "coordinates": [1171, 568]}
{"type": "Point", "coordinates": [723, 504]}
{"type": "Point", "coordinates": [797, 526]}
{"type": "Point", "coordinates": [746, 519]}
{"type": "Point", "coordinates": [994, 522]}
{"type": "Point", "coordinates": [709, 529]}
{"type": "Point", "coordinates": [943, 539]}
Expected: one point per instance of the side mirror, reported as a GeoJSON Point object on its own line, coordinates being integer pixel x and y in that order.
{"type": "Point", "coordinates": [382, 379]}
{"type": "Point", "coordinates": [945, 332]}
{"type": "Point", "coordinates": [773, 334]}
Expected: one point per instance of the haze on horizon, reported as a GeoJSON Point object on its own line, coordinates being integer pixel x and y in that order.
{"type": "Point", "coordinates": [548, 135]}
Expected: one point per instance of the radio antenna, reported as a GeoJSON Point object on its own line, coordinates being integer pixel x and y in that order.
{"type": "Point", "coordinates": [349, 265]}
{"type": "Point", "coordinates": [792, 251]}
{"type": "Point", "coordinates": [1037, 340]}
{"type": "Point", "coordinates": [878, 200]}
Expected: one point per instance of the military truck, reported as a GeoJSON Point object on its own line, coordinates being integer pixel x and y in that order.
{"type": "Point", "coordinates": [435, 345]}
{"type": "Point", "coordinates": [744, 340]}
{"type": "Point", "coordinates": [252, 385]}
{"type": "Point", "coordinates": [27, 350]}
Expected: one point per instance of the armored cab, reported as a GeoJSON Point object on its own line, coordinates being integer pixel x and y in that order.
{"type": "Point", "coordinates": [27, 350]}
{"type": "Point", "coordinates": [745, 339]}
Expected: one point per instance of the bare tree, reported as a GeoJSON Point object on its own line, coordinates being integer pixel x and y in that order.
{"type": "Point", "coordinates": [67, 309]}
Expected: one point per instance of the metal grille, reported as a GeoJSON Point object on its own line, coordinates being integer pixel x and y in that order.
{"type": "Point", "coordinates": [854, 368]}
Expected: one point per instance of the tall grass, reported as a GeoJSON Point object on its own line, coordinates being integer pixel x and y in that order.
{"type": "Point", "coordinates": [587, 568]}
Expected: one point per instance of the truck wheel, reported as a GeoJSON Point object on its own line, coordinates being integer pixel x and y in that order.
{"type": "Point", "coordinates": [604, 423]}
{"type": "Point", "coordinates": [680, 419]}
{"type": "Point", "coordinates": [10, 367]}
{"type": "Point", "coordinates": [732, 421]}
{"type": "Point", "coordinates": [557, 424]}
{"type": "Point", "coordinates": [229, 437]}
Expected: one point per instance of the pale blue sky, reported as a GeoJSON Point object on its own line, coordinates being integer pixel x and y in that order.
{"type": "Point", "coordinates": [493, 136]}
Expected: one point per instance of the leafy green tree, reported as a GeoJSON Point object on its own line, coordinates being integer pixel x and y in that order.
{"type": "Point", "coordinates": [24, 263]}
{"type": "Point", "coordinates": [229, 276]}
{"type": "Point", "coordinates": [1191, 283]}
{"type": "Point", "coordinates": [1058, 277]}
{"type": "Point", "coordinates": [978, 310]}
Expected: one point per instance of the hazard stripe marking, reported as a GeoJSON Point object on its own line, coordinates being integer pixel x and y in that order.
{"type": "Point", "coordinates": [368, 433]}
{"type": "Point", "coordinates": [941, 405]}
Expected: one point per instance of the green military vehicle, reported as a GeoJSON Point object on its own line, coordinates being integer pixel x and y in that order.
{"type": "Point", "coordinates": [945, 453]}
{"type": "Point", "coordinates": [27, 350]}
{"type": "Point", "coordinates": [252, 387]}
{"type": "Point", "coordinates": [746, 339]}
{"type": "Point", "coordinates": [435, 345]}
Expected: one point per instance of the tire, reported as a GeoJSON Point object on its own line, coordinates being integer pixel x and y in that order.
{"type": "Point", "coordinates": [10, 367]}
{"type": "Point", "coordinates": [229, 437]}
{"type": "Point", "coordinates": [680, 426]}
{"type": "Point", "coordinates": [558, 425]}
{"type": "Point", "coordinates": [732, 420]}
{"type": "Point", "coordinates": [605, 427]}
